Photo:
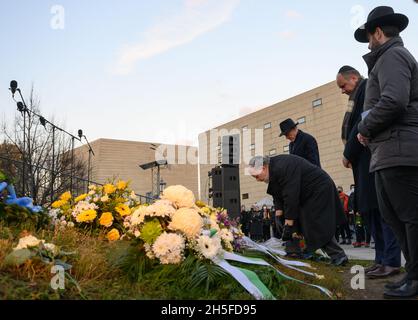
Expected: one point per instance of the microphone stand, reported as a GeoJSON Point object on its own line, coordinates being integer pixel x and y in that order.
{"type": "Point", "coordinates": [89, 160]}
{"type": "Point", "coordinates": [25, 110]}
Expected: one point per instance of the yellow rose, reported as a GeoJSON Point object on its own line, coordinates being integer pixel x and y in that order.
{"type": "Point", "coordinates": [123, 210]}
{"type": "Point", "coordinates": [86, 216]}
{"type": "Point", "coordinates": [121, 185]}
{"type": "Point", "coordinates": [106, 219]}
{"type": "Point", "coordinates": [66, 196]}
{"type": "Point", "coordinates": [58, 204]}
{"type": "Point", "coordinates": [81, 197]}
{"type": "Point", "coordinates": [109, 188]}
{"type": "Point", "coordinates": [113, 235]}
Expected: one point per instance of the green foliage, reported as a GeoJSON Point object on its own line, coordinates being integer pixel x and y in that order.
{"type": "Point", "coordinates": [19, 217]}
{"type": "Point", "coordinates": [18, 257]}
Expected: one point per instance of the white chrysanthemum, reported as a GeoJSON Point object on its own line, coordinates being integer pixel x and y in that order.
{"type": "Point", "coordinates": [51, 248]}
{"type": "Point", "coordinates": [180, 196]}
{"type": "Point", "coordinates": [105, 198]}
{"type": "Point", "coordinates": [226, 235]}
{"type": "Point", "coordinates": [209, 247]}
{"type": "Point", "coordinates": [137, 233]}
{"type": "Point", "coordinates": [83, 206]}
{"type": "Point", "coordinates": [91, 192]}
{"type": "Point", "coordinates": [138, 216]}
{"type": "Point", "coordinates": [27, 242]}
{"type": "Point", "coordinates": [161, 208]}
{"type": "Point", "coordinates": [168, 248]}
{"type": "Point", "coordinates": [187, 221]}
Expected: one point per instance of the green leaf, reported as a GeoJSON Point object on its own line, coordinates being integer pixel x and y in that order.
{"type": "Point", "coordinates": [18, 257]}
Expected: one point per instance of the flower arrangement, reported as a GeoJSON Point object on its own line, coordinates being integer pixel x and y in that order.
{"type": "Point", "coordinates": [103, 208]}
{"type": "Point", "coordinates": [177, 225]}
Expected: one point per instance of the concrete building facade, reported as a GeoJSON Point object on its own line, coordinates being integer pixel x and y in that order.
{"type": "Point", "coordinates": [119, 159]}
{"type": "Point", "coordinates": [319, 111]}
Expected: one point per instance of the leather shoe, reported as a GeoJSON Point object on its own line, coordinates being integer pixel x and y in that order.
{"type": "Point", "coordinates": [408, 290]}
{"type": "Point", "coordinates": [341, 261]}
{"type": "Point", "coordinates": [372, 268]}
{"type": "Point", "coordinates": [396, 284]}
{"type": "Point", "coordinates": [383, 272]}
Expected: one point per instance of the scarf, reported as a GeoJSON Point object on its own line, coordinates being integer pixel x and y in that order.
{"type": "Point", "coordinates": [351, 108]}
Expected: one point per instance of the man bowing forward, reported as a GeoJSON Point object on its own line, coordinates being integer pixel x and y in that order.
{"type": "Point", "coordinates": [306, 193]}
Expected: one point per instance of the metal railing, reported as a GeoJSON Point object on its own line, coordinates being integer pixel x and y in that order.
{"type": "Point", "coordinates": [44, 193]}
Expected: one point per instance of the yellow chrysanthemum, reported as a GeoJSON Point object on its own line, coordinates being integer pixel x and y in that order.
{"type": "Point", "coordinates": [121, 185]}
{"type": "Point", "coordinates": [123, 210]}
{"type": "Point", "coordinates": [66, 196]}
{"type": "Point", "coordinates": [109, 188]}
{"type": "Point", "coordinates": [81, 197]}
{"type": "Point", "coordinates": [113, 235]}
{"type": "Point", "coordinates": [58, 204]}
{"type": "Point", "coordinates": [87, 216]}
{"type": "Point", "coordinates": [106, 219]}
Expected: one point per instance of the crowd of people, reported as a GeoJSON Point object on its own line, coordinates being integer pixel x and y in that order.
{"type": "Point", "coordinates": [380, 138]}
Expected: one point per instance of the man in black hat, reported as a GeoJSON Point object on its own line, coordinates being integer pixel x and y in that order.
{"type": "Point", "coordinates": [301, 144]}
{"type": "Point", "coordinates": [357, 157]}
{"type": "Point", "coordinates": [305, 193]}
{"type": "Point", "coordinates": [390, 128]}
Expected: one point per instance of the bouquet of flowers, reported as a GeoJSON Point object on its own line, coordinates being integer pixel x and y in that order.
{"type": "Point", "coordinates": [103, 208]}
{"type": "Point", "coordinates": [177, 225]}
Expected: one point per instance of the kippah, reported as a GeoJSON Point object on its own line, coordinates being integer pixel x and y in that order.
{"type": "Point", "coordinates": [346, 69]}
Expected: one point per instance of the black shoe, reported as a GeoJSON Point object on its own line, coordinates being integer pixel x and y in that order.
{"type": "Point", "coordinates": [341, 261]}
{"type": "Point", "coordinates": [396, 284]}
{"type": "Point", "coordinates": [408, 290]}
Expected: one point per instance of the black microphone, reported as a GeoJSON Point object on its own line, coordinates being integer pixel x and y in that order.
{"type": "Point", "coordinates": [13, 86]}
{"type": "Point", "coordinates": [80, 133]}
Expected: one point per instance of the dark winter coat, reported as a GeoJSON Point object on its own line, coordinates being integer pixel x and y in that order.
{"type": "Point", "coordinates": [359, 156]}
{"type": "Point", "coordinates": [306, 193]}
{"type": "Point", "coordinates": [392, 98]}
{"type": "Point", "coordinates": [305, 146]}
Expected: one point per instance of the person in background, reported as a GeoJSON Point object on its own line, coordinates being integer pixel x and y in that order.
{"type": "Point", "coordinates": [256, 224]}
{"type": "Point", "coordinates": [344, 229]}
{"type": "Point", "coordinates": [266, 223]}
{"type": "Point", "coordinates": [245, 221]}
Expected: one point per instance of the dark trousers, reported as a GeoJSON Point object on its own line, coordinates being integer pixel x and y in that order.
{"type": "Point", "coordinates": [388, 251]}
{"type": "Point", "coordinates": [333, 250]}
{"type": "Point", "coordinates": [344, 231]}
{"type": "Point", "coordinates": [397, 194]}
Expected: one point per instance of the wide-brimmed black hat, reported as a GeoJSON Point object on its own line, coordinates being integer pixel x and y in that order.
{"type": "Point", "coordinates": [286, 126]}
{"type": "Point", "coordinates": [379, 17]}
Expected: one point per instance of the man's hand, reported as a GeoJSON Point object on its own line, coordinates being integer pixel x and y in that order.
{"type": "Point", "coordinates": [346, 163]}
{"type": "Point", "coordinates": [288, 222]}
{"type": "Point", "coordinates": [362, 139]}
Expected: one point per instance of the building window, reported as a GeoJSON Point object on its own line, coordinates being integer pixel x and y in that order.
{"type": "Point", "coordinates": [272, 152]}
{"type": "Point", "coordinates": [252, 147]}
{"type": "Point", "coordinates": [286, 149]}
{"type": "Point", "coordinates": [245, 196]}
{"type": "Point", "coordinates": [301, 120]}
{"type": "Point", "coordinates": [317, 102]}
{"type": "Point", "coordinates": [267, 125]}
{"type": "Point", "coordinates": [244, 128]}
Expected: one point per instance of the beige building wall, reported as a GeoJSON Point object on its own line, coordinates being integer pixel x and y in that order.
{"type": "Point", "coordinates": [121, 159]}
{"type": "Point", "coordinates": [323, 121]}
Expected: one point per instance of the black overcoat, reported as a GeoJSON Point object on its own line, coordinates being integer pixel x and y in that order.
{"type": "Point", "coordinates": [365, 198]}
{"type": "Point", "coordinates": [306, 193]}
{"type": "Point", "coordinates": [305, 146]}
